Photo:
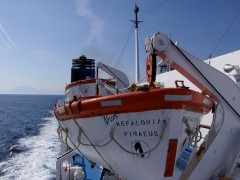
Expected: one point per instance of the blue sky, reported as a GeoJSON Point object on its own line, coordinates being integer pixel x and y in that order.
{"type": "Point", "coordinates": [39, 38]}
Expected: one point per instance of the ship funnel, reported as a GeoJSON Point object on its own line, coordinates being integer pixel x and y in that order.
{"type": "Point", "coordinates": [82, 68]}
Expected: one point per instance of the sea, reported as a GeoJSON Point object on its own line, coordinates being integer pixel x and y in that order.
{"type": "Point", "coordinates": [29, 144]}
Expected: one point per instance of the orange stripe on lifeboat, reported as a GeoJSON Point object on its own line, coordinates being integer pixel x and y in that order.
{"type": "Point", "coordinates": [154, 99]}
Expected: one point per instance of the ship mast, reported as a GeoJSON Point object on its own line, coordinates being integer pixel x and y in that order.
{"type": "Point", "coordinates": [136, 22]}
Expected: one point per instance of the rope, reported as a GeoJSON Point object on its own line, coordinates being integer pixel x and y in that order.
{"type": "Point", "coordinates": [192, 135]}
{"type": "Point", "coordinates": [96, 145]}
{"type": "Point", "coordinates": [60, 129]}
{"type": "Point", "coordinates": [66, 132]}
{"type": "Point", "coordinates": [69, 109]}
{"type": "Point", "coordinates": [164, 125]}
{"type": "Point", "coordinates": [112, 138]}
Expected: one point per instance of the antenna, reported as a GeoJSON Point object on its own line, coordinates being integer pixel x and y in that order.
{"type": "Point", "coordinates": [136, 10]}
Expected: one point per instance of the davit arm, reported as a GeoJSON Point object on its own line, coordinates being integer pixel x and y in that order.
{"type": "Point", "coordinates": [226, 94]}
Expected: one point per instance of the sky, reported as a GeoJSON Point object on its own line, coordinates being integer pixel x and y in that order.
{"type": "Point", "coordinates": [39, 38]}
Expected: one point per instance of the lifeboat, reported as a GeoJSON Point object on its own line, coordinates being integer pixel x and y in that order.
{"type": "Point", "coordinates": [131, 128]}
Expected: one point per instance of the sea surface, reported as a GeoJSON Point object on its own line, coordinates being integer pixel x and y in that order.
{"type": "Point", "coordinates": [29, 142]}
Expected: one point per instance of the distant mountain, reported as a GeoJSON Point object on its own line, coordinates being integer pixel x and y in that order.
{"type": "Point", "coordinates": [31, 90]}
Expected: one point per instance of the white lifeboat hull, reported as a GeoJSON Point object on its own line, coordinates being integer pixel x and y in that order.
{"type": "Point", "coordinates": [141, 140]}
{"type": "Point", "coordinates": [135, 139]}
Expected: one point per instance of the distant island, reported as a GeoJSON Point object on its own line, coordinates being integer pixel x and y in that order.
{"type": "Point", "coordinates": [31, 90]}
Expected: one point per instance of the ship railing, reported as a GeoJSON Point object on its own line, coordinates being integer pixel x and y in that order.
{"type": "Point", "coordinates": [64, 157]}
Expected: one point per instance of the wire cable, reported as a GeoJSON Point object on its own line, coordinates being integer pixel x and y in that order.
{"type": "Point", "coordinates": [124, 47]}
{"type": "Point", "coordinates": [123, 39]}
{"type": "Point", "coordinates": [235, 17]}
{"type": "Point", "coordinates": [155, 7]}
